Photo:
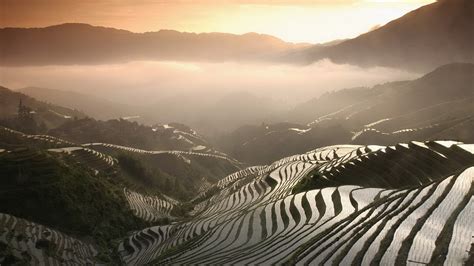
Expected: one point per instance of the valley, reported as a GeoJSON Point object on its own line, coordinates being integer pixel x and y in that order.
{"type": "Point", "coordinates": [140, 194]}
{"type": "Point", "coordinates": [139, 133]}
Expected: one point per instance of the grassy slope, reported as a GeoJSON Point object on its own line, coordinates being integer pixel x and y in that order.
{"type": "Point", "coordinates": [57, 193]}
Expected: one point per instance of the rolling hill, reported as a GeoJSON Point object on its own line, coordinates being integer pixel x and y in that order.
{"type": "Point", "coordinates": [74, 126]}
{"type": "Point", "coordinates": [211, 115]}
{"type": "Point", "coordinates": [171, 136]}
{"type": "Point", "coordinates": [104, 190]}
{"type": "Point", "coordinates": [92, 106]}
{"type": "Point", "coordinates": [406, 203]}
{"type": "Point", "coordinates": [41, 115]}
{"type": "Point", "coordinates": [180, 173]}
{"type": "Point", "coordinates": [438, 105]}
{"type": "Point", "coordinates": [66, 193]}
{"type": "Point", "coordinates": [433, 35]}
{"type": "Point", "coordinates": [165, 157]}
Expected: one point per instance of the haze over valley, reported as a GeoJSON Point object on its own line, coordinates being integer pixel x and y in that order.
{"type": "Point", "coordinates": [201, 89]}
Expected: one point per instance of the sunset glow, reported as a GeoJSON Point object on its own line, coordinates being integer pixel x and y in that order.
{"type": "Point", "coordinates": [295, 21]}
{"type": "Point", "coordinates": [236, 132]}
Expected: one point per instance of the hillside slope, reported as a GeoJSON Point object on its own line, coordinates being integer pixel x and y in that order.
{"type": "Point", "coordinates": [438, 105]}
{"type": "Point", "coordinates": [253, 217]}
{"type": "Point", "coordinates": [41, 115]}
{"type": "Point", "coordinates": [170, 159]}
{"type": "Point", "coordinates": [360, 204]}
{"type": "Point", "coordinates": [91, 194]}
{"type": "Point", "coordinates": [433, 35]}
{"type": "Point", "coordinates": [93, 106]}
{"type": "Point", "coordinates": [58, 192]}
{"type": "Point", "coordinates": [177, 173]}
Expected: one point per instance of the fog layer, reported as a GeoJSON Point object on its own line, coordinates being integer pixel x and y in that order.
{"type": "Point", "coordinates": [150, 81]}
{"type": "Point", "coordinates": [188, 92]}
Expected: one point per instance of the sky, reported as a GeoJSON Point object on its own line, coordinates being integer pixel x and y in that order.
{"type": "Point", "coordinates": [316, 21]}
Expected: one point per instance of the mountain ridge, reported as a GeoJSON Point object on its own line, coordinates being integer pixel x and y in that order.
{"type": "Point", "coordinates": [435, 106]}
{"type": "Point", "coordinates": [78, 25]}
{"type": "Point", "coordinates": [80, 43]}
{"type": "Point", "coordinates": [421, 40]}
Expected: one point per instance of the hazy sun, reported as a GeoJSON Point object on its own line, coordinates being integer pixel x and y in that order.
{"type": "Point", "coordinates": [296, 21]}
{"type": "Point", "coordinates": [312, 23]}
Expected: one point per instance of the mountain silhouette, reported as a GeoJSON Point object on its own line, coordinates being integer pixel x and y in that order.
{"type": "Point", "coordinates": [433, 35]}
{"type": "Point", "coordinates": [75, 43]}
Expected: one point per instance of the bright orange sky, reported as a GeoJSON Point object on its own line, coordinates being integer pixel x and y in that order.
{"type": "Point", "coordinates": [296, 21]}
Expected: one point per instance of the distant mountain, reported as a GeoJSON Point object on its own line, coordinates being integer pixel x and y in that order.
{"type": "Point", "coordinates": [439, 105]}
{"type": "Point", "coordinates": [433, 35]}
{"type": "Point", "coordinates": [93, 106]}
{"type": "Point", "coordinates": [74, 43]}
{"type": "Point", "coordinates": [213, 113]}
{"type": "Point", "coordinates": [448, 88]}
{"type": "Point", "coordinates": [448, 82]}
{"type": "Point", "coordinates": [220, 112]}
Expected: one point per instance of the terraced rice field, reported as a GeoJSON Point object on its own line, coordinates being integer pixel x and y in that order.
{"type": "Point", "coordinates": [254, 218]}
{"type": "Point", "coordinates": [408, 164]}
{"type": "Point", "coordinates": [150, 208]}
{"type": "Point", "coordinates": [43, 245]}
{"type": "Point", "coordinates": [43, 140]}
{"type": "Point", "coordinates": [184, 155]}
{"type": "Point", "coordinates": [406, 131]}
{"type": "Point", "coordinates": [97, 161]}
{"type": "Point", "coordinates": [411, 203]}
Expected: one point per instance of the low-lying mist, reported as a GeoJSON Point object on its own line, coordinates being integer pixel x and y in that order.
{"type": "Point", "coordinates": [213, 97]}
